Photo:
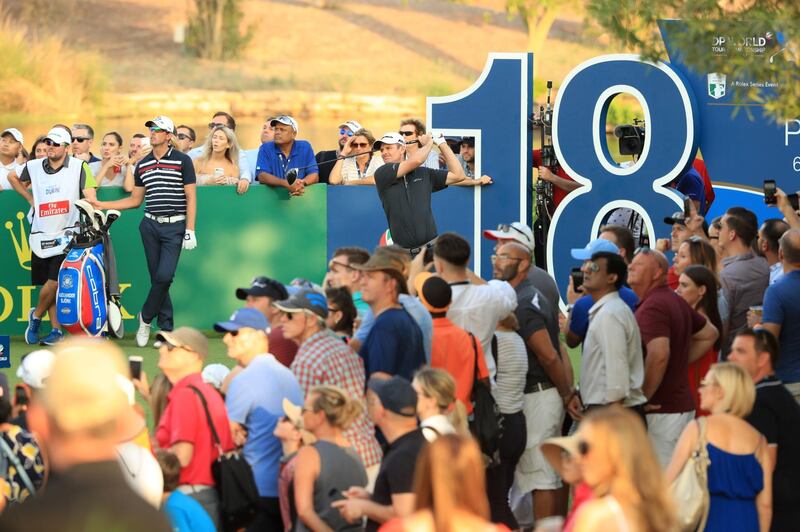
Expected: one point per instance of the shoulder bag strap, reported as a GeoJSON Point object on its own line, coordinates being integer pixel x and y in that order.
{"type": "Point", "coordinates": [17, 465]}
{"type": "Point", "coordinates": [702, 462]}
{"type": "Point", "coordinates": [475, 352]}
{"type": "Point", "coordinates": [494, 348]}
{"type": "Point", "coordinates": [208, 417]}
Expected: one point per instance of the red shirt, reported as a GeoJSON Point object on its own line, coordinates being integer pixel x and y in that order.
{"type": "Point", "coordinates": [283, 349]}
{"type": "Point", "coordinates": [452, 350]}
{"type": "Point", "coordinates": [663, 313]}
{"type": "Point", "coordinates": [673, 279]}
{"type": "Point", "coordinates": [558, 193]}
{"type": "Point", "coordinates": [184, 420]}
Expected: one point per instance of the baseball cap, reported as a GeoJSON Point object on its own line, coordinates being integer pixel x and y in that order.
{"type": "Point", "coordinates": [434, 292]}
{"type": "Point", "coordinates": [59, 135]}
{"type": "Point", "coordinates": [469, 141]}
{"type": "Point", "coordinates": [35, 368]}
{"type": "Point", "coordinates": [352, 125]}
{"type": "Point", "coordinates": [517, 231]}
{"type": "Point", "coordinates": [244, 317]}
{"type": "Point", "coordinates": [677, 218]}
{"type": "Point", "coordinates": [307, 301]}
{"type": "Point", "coordinates": [263, 286]}
{"type": "Point", "coordinates": [285, 120]}
{"type": "Point", "coordinates": [14, 132]}
{"type": "Point", "coordinates": [598, 245]}
{"type": "Point", "coordinates": [162, 122]}
{"type": "Point", "coordinates": [187, 337]}
{"type": "Point", "coordinates": [553, 447]}
{"type": "Point", "coordinates": [389, 138]}
{"type": "Point", "coordinates": [396, 394]}
{"type": "Point", "coordinates": [385, 262]}
{"type": "Point", "coordinates": [82, 390]}
{"type": "Point", "coordinates": [214, 374]}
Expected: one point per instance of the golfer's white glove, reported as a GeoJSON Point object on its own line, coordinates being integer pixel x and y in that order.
{"type": "Point", "coordinates": [438, 137]}
{"type": "Point", "coordinates": [189, 240]}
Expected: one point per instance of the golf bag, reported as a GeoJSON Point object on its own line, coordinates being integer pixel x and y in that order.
{"type": "Point", "coordinates": [87, 302]}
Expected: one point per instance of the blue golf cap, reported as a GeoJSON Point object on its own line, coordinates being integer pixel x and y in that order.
{"type": "Point", "coordinates": [244, 317]}
{"type": "Point", "coordinates": [598, 245]}
{"type": "Point", "coordinates": [307, 301]}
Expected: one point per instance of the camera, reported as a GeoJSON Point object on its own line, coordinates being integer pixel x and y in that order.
{"type": "Point", "coordinates": [631, 138]}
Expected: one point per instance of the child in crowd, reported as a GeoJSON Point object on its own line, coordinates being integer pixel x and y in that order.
{"type": "Point", "coordinates": [185, 514]}
{"type": "Point", "coordinates": [289, 431]}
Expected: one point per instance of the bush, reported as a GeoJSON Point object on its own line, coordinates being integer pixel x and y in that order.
{"type": "Point", "coordinates": [43, 76]}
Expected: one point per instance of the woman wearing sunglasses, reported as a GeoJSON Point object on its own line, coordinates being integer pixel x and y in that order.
{"type": "Point", "coordinates": [618, 462]}
{"type": "Point", "coordinates": [358, 170]}
{"type": "Point", "coordinates": [740, 473]}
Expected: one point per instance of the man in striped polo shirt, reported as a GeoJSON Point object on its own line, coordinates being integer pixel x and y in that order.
{"type": "Point", "coordinates": [165, 180]}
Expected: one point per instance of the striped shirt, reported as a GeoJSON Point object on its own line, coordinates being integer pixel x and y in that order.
{"type": "Point", "coordinates": [325, 359]}
{"type": "Point", "coordinates": [163, 180]}
{"type": "Point", "coordinates": [512, 366]}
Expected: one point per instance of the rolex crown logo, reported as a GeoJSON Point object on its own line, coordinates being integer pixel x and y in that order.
{"type": "Point", "coordinates": [21, 246]}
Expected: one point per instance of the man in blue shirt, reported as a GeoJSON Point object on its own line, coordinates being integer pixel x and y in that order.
{"type": "Point", "coordinates": [782, 312]}
{"type": "Point", "coordinates": [394, 345]}
{"type": "Point", "coordinates": [691, 185]}
{"type": "Point", "coordinates": [276, 158]}
{"type": "Point", "coordinates": [255, 404]}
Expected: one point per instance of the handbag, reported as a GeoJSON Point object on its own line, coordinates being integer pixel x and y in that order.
{"type": "Point", "coordinates": [238, 494]}
{"type": "Point", "coordinates": [690, 488]}
{"type": "Point", "coordinates": [486, 425]}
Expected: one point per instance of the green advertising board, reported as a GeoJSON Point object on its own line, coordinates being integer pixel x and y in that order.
{"type": "Point", "coordinates": [239, 237]}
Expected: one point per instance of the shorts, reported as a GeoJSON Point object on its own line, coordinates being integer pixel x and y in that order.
{"type": "Point", "coordinates": [544, 416]}
{"type": "Point", "coordinates": [43, 270]}
{"type": "Point", "coordinates": [665, 430]}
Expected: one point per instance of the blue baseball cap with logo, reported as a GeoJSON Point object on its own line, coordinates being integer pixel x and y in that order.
{"type": "Point", "coordinates": [598, 245]}
{"type": "Point", "coordinates": [244, 317]}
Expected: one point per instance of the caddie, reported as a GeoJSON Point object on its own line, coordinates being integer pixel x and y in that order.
{"type": "Point", "coordinates": [57, 181]}
{"type": "Point", "coordinates": [165, 181]}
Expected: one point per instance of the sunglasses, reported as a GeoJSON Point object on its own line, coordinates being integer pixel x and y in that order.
{"type": "Point", "coordinates": [155, 129]}
{"type": "Point", "coordinates": [183, 136]}
{"type": "Point", "coordinates": [505, 228]}
{"type": "Point", "coordinates": [503, 257]}
{"type": "Point", "coordinates": [593, 267]}
{"type": "Point", "coordinates": [333, 264]}
{"type": "Point", "coordinates": [645, 250]}
{"type": "Point", "coordinates": [359, 144]}
{"type": "Point", "coordinates": [49, 142]}
{"type": "Point", "coordinates": [406, 133]}
{"type": "Point", "coordinates": [80, 139]}
{"type": "Point", "coordinates": [347, 132]}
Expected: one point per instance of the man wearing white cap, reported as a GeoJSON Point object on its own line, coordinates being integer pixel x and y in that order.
{"type": "Point", "coordinates": [57, 181]}
{"type": "Point", "coordinates": [326, 158]}
{"type": "Point", "coordinates": [165, 180]}
{"type": "Point", "coordinates": [405, 187]}
{"type": "Point", "coordinates": [11, 141]}
{"type": "Point", "coordinates": [276, 158]}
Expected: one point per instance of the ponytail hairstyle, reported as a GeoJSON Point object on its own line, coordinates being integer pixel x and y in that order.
{"type": "Point", "coordinates": [439, 385]}
{"type": "Point", "coordinates": [340, 411]}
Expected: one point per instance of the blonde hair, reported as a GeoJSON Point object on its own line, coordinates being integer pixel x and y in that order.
{"type": "Point", "coordinates": [739, 392]}
{"type": "Point", "coordinates": [450, 478]}
{"type": "Point", "coordinates": [439, 385]}
{"type": "Point", "coordinates": [231, 152]}
{"type": "Point", "coordinates": [340, 411]}
{"type": "Point", "coordinates": [637, 480]}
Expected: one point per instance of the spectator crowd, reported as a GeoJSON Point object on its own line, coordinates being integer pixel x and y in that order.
{"type": "Point", "coordinates": [405, 392]}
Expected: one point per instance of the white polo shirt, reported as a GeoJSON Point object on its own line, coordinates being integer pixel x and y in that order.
{"type": "Point", "coordinates": [5, 169]}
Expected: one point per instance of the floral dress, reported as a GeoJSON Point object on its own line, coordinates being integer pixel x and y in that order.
{"type": "Point", "coordinates": [24, 446]}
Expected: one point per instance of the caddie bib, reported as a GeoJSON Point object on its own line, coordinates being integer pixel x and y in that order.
{"type": "Point", "coordinates": [54, 212]}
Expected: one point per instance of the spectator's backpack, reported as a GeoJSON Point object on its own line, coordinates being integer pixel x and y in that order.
{"type": "Point", "coordinates": [81, 302]}
{"type": "Point", "coordinates": [486, 425]}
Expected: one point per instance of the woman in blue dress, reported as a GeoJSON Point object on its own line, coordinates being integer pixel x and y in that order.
{"type": "Point", "coordinates": [740, 473]}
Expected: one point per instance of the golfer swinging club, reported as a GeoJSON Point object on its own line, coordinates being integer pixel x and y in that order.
{"type": "Point", "coordinates": [405, 188]}
{"type": "Point", "coordinates": [165, 180]}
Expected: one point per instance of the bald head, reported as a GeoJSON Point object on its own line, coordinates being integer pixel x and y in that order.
{"type": "Point", "coordinates": [790, 247]}
{"type": "Point", "coordinates": [648, 270]}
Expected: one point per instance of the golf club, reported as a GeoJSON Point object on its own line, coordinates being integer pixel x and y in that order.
{"type": "Point", "coordinates": [291, 173]}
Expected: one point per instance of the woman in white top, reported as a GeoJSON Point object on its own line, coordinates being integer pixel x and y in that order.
{"type": "Point", "coordinates": [218, 164]}
{"type": "Point", "coordinates": [619, 464]}
{"type": "Point", "coordinates": [113, 167]}
{"type": "Point", "coordinates": [438, 411]}
{"type": "Point", "coordinates": [358, 170]}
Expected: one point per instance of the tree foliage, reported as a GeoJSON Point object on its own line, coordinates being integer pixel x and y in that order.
{"type": "Point", "coordinates": [538, 16]}
{"type": "Point", "coordinates": [634, 24]}
{"type": "Point", "coordinates": [214, 30]}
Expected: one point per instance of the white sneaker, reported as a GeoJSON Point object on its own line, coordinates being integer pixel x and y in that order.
{"type": "Point", "coordinates": [143, 334]}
